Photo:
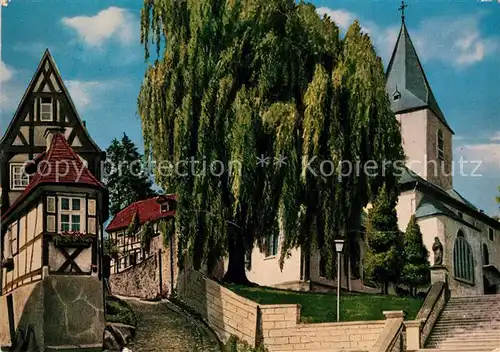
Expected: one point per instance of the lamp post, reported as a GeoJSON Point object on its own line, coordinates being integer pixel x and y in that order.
{"type": "Point", "coordinates": [339, 247]}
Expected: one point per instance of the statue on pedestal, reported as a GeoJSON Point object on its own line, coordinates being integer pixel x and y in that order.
{"type": "Point", "coordinates": [437, 248]}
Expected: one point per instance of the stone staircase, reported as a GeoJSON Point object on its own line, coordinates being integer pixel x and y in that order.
{"type": "Point", "coordinates": [469, 324]}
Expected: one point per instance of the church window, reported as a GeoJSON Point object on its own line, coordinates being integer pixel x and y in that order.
{"type": "Point", "coordinates": [71, 214]}
{"type": "Point", "coordinates": [491, 234]}
{"type": "Point", "coordinates": [46, 109]}
{"type": "Point", "coordinates": [486, 255]}
{"type": "Point", "coordinates": [463, 261]}
{"type": "Point", "coordinates": [19, 179]}
{"type": "Point", "coordinates": [440, 144]}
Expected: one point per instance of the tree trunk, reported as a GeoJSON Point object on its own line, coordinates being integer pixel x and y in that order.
{"type": "Point", "coordinates": [236, 269]}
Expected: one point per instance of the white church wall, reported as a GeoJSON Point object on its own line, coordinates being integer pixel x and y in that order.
{"type": "Point", "coordinates": [413, 132]}
{"type": "Point", "coordinates": [432, 227]}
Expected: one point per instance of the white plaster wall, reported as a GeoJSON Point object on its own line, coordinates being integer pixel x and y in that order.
{"type": "Point", "coordinates": [413, 133]}
{"type": "Point", "coordinates": [432, 227]}
{"type": "Point", "coordinates": [266, 271]}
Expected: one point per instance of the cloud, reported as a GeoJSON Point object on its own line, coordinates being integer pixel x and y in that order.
{"type": "Point", "coordinates": [486, 151]}
{"type": "Point", "coordinates": [6, 72]}
{"type": "Point", "coordinates": [458, 40]}
{"type": "Point", "coordinates": [93, 95]}
{"type": "Point", "coordinates": [113, 23]}
{"type": "Point", "coordinates": [455, 40]}
{"type": "Point", "coordinates": [342, 18]}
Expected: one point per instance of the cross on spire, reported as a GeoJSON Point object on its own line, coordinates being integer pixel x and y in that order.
{"type": "Point", "coordinates": [402, 9]}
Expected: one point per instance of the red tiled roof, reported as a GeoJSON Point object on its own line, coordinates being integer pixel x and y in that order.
{"type": "Point", "coordinates": [147, 210]}
{"type": "Point", "coordinates": [60, 165]}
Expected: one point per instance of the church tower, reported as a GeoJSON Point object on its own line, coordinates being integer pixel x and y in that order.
{"type": "Point", "coordinates": [427, 137]}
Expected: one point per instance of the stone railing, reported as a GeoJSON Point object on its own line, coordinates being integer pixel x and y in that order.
{"type": "Point", "coordinates": [418, 330]}
{"type": "Point", "coordinates": [278, 327]}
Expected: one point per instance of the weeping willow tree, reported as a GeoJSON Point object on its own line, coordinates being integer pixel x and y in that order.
{"type": "Point", "coordinates": [261, 96]}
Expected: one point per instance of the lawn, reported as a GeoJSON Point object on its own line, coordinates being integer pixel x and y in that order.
{"type": "Point", "coordinates": [321, 307]}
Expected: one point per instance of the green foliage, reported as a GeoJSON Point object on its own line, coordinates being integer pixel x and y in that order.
{"type": "Point", "coordinates": [384, 257]}
{"type": "Point", "coordinates": [243, 79]}
{"type": "Point", "coordinates": [110, 247]}
{"type": "Point", "coordinates": [234, 344]}
{"type": "Point", "coordinates": [125, 174]}
{"type": "Point", "coordinates": [147, 235]}
{"type": "Point", "coordinates": [119, 311]}
{"type": "Point", "coordinates": [416, 270]}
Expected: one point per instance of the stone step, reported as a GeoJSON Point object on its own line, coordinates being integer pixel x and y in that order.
{"type": "Point", "coordinates": [456, 349]}
{"type": "Point", "coordinates": [467, 334]}
{"type": "Point", "coordinates": [454, 339]}
{"type": "Point", "coordinates": [456, 330]}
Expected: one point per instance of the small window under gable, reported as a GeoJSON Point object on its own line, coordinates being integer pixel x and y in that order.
{"type": "Point", "coordinates": [19, 179]}
{"type": "Point", "coordinates": [46, 109]}
{"type": "Point", "coordinates": [165, 207]}
{"type": "Point", "coordinates": [440, 144]}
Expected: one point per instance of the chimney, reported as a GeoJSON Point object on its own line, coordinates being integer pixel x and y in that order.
{"type": "Point", "coordinates": [50, 133]}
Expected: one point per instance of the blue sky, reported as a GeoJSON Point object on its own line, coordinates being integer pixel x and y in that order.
{"type": "Point", "coordinates": [96, 46]}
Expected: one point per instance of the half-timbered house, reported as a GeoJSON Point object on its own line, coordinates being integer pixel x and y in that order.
{"type": "Point", "coordinates": [45, 104]}
{"type": "Point", "coordinates": [128, 226]}
{"type": "Point", "coordinates": [53, 209]}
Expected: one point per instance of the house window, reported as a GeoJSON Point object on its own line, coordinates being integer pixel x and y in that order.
{"type": "Point", "coordinates": [272, 245]}
{"type": "Point", "coordinates": [440, 144]}
{"type": "Point", "coordinates": [463, 260]}
{"type": "Point", "coordinates": [71, 214]}
{"type": "Point", "coordinates": [491, 235]}
{"type": "Point", "coordinates": [486, 255]}
{"type": "Point", "coordinates": [46, 109]}
{"type": "Point", "coordinates": [18, 177]}
{"type": "Point", "coordinates": [164, 207]}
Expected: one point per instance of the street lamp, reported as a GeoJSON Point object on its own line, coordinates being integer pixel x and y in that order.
{"type": "Point", "coordinates": [339, 247]}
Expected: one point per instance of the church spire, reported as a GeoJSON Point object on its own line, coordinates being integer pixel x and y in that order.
{"type": "Point", "coordinates": [407, 83]}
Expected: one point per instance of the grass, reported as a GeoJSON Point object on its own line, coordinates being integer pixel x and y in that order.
{"type": "Point", "coordinates": [322, 307]}
{"type": "Point", "coordinates": [118, 311]}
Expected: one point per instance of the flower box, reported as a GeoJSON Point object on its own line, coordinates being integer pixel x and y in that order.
{"type": "Point", "coordinates": [8, 263]}
{"type": "Point", "coordinates": [73, 239]}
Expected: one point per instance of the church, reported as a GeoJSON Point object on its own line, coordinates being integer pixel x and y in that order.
{"type": "Point", "coordinates": [465, 239]}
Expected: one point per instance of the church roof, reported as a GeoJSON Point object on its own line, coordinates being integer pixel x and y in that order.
{"type": "Point", "coordinates": [59, 165]}
{"type": "Point", "coordinates": [407, 83]}
{"type": "Point", "coordinates": [435, 199]}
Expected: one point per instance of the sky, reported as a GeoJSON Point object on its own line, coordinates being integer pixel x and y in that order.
{"type": "Point", "coordinates": [95, 44]}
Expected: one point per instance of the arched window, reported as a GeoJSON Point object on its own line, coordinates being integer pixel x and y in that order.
{"type": "Point", "coordinates": [486, 255]}
{"type": "Point", "coordinates": [440, 144]}
{"type": "Point", "coordinates": [463, 261]}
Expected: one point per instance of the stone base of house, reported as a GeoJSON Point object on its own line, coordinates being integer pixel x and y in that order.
{"type": "Point", "coordinates": [57, 311]}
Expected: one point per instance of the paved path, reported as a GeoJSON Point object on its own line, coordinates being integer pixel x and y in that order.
{"type": "Point", "coordinates": [160, 328]}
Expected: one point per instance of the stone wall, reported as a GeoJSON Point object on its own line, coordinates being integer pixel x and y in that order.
{"type": "Point", "coordinates": [226, 312]}
{"type": "Point", "coordinates": [141, 280]}
{"type": "Point", "coordinates": [282, 331]}
{"type": "Point", "coordinates": [278, 327]}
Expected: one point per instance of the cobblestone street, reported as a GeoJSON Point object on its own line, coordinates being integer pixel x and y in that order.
{"type": "Point", "coordinates": [160, 328]}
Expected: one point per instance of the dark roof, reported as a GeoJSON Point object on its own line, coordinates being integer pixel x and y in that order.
{"type": "Point", "coordinates": [436, 199]}
{"type": "Point", "coordinates": [47, 57]}
{"type": "Point", "coordinates": [406, 76]}
{"type": "Point", "coordinates": [52, 170]}
{"type": "Point", "coordinates": [146, 210]}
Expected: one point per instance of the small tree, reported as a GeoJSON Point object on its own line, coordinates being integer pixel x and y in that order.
{"type": "Point", "coordinates": [125, 174]}
{"type": "Point", "coordinates": [384, 244]}
{"type": "Point", "coordinates": [416, 269]}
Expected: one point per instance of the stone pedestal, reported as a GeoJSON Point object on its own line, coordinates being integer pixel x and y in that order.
{"type": "Point", "coordinates": [439, 273]}
{"type": "Point", "coordinates": [413, 328]}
